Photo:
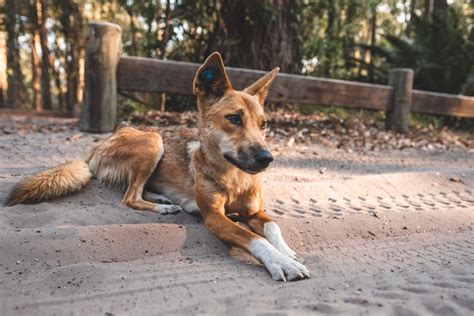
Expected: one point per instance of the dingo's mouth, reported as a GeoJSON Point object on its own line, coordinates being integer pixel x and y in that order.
{"type": "Point", "coordinates": [239, 165]}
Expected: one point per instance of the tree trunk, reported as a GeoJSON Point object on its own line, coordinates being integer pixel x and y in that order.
{"type": "Point", "coordinates": [164, 43]}
{"type": "Point", "coordinates": [35, 72]}
{"type": "Point", "coordinates": [262, 38]}
{"type": "Point", "coordinates": [57, 83]}
{"type": "Point", "coordinates": [80, 81]}
{"type": "Point", "coordinates": [69, 29]}
{"type": "Point", "coordinates": [133, 31]}
{"type": "Point", "coordinates": [373, 33]}
{"type": "Point", "coordinates": [14, 74]}
{"type": "Point", "coordinates": [56, 76]}
{"type": "Point", "coordinates": [71, 26]}
{"type": "Point", "coordinates": [330, 30]}
{"type": "Point", "coordinates": [433, 7]}
{"type": "Point", "coordinates": [33, 24]}
{"type": "Point", "coordinates": [41, 6]}
{"type": "Point", "coordinates": [151, 18]}
{"type": "Point", "coordinates": [412, 14]}
{"type": "Point", "coordinates": [3, 67]}
{"type": "Point", "coordinates": [166, 30]}
{"type": "Point", "coordinates": [348, 41]}
{"type": "Point", "coordinates": [69, 60]}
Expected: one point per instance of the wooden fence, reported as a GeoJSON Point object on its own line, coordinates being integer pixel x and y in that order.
{"type": "Point", "coordinates": [107, 73]}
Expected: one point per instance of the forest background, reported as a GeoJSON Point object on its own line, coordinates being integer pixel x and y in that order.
{"type": "Point", "coordinates": [42, 42]}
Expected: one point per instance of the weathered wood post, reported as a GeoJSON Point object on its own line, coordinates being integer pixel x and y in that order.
{"type": "Point", "coordinates": [398, 111]}
{"type": "Point", "coordinates": [102, 54]}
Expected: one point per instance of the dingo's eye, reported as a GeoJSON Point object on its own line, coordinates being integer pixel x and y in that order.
{"type": "Point", "coordinates": [234, 119]}
{"type": "Point", "coordinates": [264, 125]}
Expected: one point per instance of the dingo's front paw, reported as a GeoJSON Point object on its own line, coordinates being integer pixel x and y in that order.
{"type": "Point", "coordinates": [283, 269]}
{"type": "Point", "coordinates": [280, 266]}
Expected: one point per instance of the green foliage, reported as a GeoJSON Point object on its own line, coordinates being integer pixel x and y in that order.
{"type": "Point", "coordinates": [362, 40]}
{"type": "Point", "coordinates": [357, 40]}
{"type": "Point", "coordinates": [339, 38]}
{"type": "Point", "coordinates": [421, 120]}
{"type": "Point", "coordinates": [439, 51]}
{"type": "Point", "coordinates": [127, 106]}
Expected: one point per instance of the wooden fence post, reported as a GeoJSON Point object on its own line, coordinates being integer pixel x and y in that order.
{"type": "Point", "coordinates": [102, 54]}
{"type": "Point", "coordinates": [398, 111]}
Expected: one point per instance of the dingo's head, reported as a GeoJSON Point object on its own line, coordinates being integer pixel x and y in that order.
{"type": "Point", "coordinates": [233, 124]}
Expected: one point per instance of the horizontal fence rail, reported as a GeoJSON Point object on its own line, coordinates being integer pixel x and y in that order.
{"type": "Point", "coordinates": [106, 73]}
{"type": "Point", "coordinates": [442, 103]}
{"type": "Point", "coordinates": [151, 75]}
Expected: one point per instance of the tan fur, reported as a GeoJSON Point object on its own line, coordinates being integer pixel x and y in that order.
{"type": "Point", "coordinates": [214, 171]}
{"type": "Point", "coordinates": [61, 180]}
{"type": "Point", "coordinates": [126, 160]}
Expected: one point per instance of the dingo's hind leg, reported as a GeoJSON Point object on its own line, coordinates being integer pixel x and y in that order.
{"type": "Point", "coordinates": [141, 165]}
{"type": "Point", "coordinates": [133, 196]}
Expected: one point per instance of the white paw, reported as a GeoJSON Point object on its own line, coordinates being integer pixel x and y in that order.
{"type": "Point", "coordinates": [284, 249]}
{"type": "Point", "coordinates": [168, 209]}
{"type": "Point", "coordinates": [273, 234]}
{"type": "Point", "coordinates": [285, 268]}
{"type": "Point", "coordinates": [280, 266]}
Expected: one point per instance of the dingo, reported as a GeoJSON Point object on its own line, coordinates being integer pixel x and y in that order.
{"type": "Point", "coordinates": [215, 172]}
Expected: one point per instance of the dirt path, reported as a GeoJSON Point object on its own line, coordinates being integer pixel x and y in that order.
{"type": "Point", "coordinates": [417, 274]}
{"type": "Point", "coordinates": [386, 232]}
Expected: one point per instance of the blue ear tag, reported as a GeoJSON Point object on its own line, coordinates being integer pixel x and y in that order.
{"type": "Point", "coordinates": [209, 75]}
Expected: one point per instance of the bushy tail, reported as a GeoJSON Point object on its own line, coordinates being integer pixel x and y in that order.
{"type": "Point", "coordinates": [50, 184]}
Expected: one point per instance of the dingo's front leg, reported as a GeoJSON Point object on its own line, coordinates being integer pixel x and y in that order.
{"type": "Point", "coordinates": [262, 224]}
{"type": "Point", "coordinates": [280, 266]}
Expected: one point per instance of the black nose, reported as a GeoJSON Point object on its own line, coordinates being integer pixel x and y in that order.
{"type": "Point", "coordinates": [264, 157]}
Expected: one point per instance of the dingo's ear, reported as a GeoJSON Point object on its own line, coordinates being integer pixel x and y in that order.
{"type": "Point", "coordinates": [261, 86]}
{"type": "Point", "coordinates": [211, 79]}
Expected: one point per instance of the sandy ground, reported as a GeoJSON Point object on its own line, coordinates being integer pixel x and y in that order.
{"type": "Point", "coordinates": [386, 232]}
